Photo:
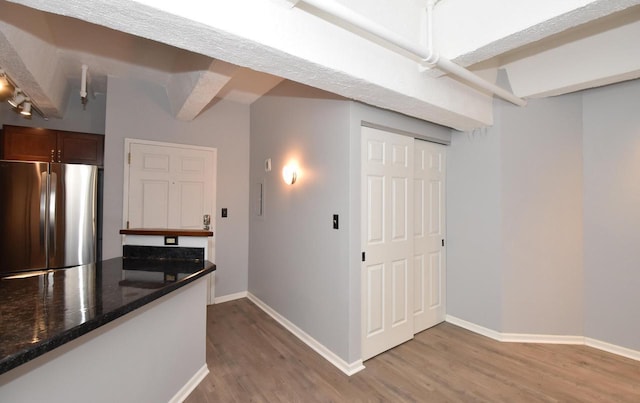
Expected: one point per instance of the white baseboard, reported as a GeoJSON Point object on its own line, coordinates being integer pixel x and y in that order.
{"type": "Point", "coordinates": [492, 334]}
{"type": "Point", "coordinates": [347, 368]}
{"type": "Point", "coordinates": [541, 338]}
{"type": "Point", "coordinates": [544, 338]}
{"type": "Point", "coordinates": [230, 297]}
{"type": "Point", "coordinates": [186, 390]}
{"type": "Point", "coordinates": [612, 348]}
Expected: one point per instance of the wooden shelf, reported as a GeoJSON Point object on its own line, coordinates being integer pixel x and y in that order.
{"type": "Point", "coordinates": [166, 232]}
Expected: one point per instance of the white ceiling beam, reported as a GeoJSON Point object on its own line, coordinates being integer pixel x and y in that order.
{"type": "Point", "coordinates": [31, 60]}
{"type": "Point", "coordinates": [270, 37]}
{"type": "Point", "coordinates": [191, 91]}
{"type": "Point", "coordinates": [471, 31]}
{"type": "Point", "coordinates": [577, 64]}
{"type": "Point", "coordinates": [248, 85]}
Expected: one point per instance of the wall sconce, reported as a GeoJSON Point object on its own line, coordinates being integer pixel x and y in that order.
{"type": "Point", "coordinates": [290, 173]}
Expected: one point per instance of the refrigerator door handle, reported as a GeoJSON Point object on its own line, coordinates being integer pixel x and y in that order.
{"type": "Point", "coordinates": [43, 210]}
{"type": "Point", "coordinates": [53, 180]}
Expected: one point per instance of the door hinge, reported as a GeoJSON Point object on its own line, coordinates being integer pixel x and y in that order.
{"type": "Point", "coordinates": [363, 257]}
{"type": "Point", "coordinates": [443, 242]}
{"type": "Point", "coordinates": [129, 158]}
{"type": "Point", "coordinates": [127, 224]}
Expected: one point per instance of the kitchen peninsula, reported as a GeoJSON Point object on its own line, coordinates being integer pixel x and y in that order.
{"type": "Point", "coordinates": [118, 330]}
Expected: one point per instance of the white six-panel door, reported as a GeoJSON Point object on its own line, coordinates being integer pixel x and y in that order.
{"type": "Point", "coordinates": [403, 235]}
{"type": "Point", "coordinates": [429, 235]}
{"type": "Point", "coordinates": [387, 236]}
{"type": "Point", "coordinates": [170, 186]}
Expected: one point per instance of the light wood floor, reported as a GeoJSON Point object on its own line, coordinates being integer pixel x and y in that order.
{"type": "Point", "coordinates": [252, 358]}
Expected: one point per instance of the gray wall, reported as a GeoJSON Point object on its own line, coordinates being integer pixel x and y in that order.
{"type": "Point", "coordinates": [474, 227]}
{"type": "Point", "coordinates": [543, 217]}
{"type": "Point", "coordinates": [612, 213]}
{"type": "Point", "coordinates": [140, 110]}
{"type": "Point", "coordinates": [298, 264]}
{"type": "Point", "coordinates": [514, 256]}
{"type": "Point", "coordinates": [75, 118]}
{"type": "Point", "coordinates": [542, 279]}
{"type": "Point", "coordinates": [301, 267]}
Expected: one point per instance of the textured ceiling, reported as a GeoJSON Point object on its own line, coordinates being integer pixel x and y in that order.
{"type": "Point", "coordinates": [195, 50]}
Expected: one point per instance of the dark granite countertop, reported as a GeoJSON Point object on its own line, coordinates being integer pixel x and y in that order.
{"type": "Point", "coordinates": [47, 310]}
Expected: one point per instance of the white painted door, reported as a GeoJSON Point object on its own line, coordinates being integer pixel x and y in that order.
{"type": "Point", "coordinates": [429, 235]}
{"type": "Point", "coordinates": [387, 237]}
{"type": "Point", "coordinates": [170, 186]}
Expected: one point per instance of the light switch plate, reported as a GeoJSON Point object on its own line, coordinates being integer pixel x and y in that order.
{"type": "Point", "coordinates": [267, 165]}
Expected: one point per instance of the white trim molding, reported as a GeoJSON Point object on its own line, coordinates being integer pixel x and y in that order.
{"type": "Point", "coordinates": [347, 368]}
{"type": "Point", "coordinates": [230, 297]}
{"type": "Point", "coordinates": [544, 338]}
{"type": "Point", "coordinates": [612, 348]}
{"type": "Point", "coordinates": [541, 338]}
{"type": "Point", "coordinates": [191, 384]}
{"type": "Point", "coordinates": [492, 334]}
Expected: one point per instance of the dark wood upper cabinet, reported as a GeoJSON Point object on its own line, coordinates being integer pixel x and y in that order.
{"type": "Point", "coordinates": [81, 148]}
{"type": "Point", "coordinates": [31, 144]}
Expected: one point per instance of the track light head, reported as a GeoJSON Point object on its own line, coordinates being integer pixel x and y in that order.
{"type": "Point", "coordinates": [26, 108]}
{"type": "Point", "coordinates": [18, 98]}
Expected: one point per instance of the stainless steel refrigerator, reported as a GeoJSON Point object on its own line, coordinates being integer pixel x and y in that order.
{"type": "Point", "coordinates": [48, 215]}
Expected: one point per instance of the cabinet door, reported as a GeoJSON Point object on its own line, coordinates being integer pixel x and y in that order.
{"type": "Point", "coordinates": [29, 144]}
{"type": "Point", "coordinates": [80, 148]}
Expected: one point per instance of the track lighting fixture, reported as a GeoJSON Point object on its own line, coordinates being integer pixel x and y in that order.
{"type": "Point", "coordinates": [18, 98]}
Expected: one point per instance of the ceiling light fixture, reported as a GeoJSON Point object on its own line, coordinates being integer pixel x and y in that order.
{"type": "Point", "coordinates": [18, 99]}
{"type": "Point", "coordinates": [3, 80]}
{"type": "Point", "coordinates": [26, 108]}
